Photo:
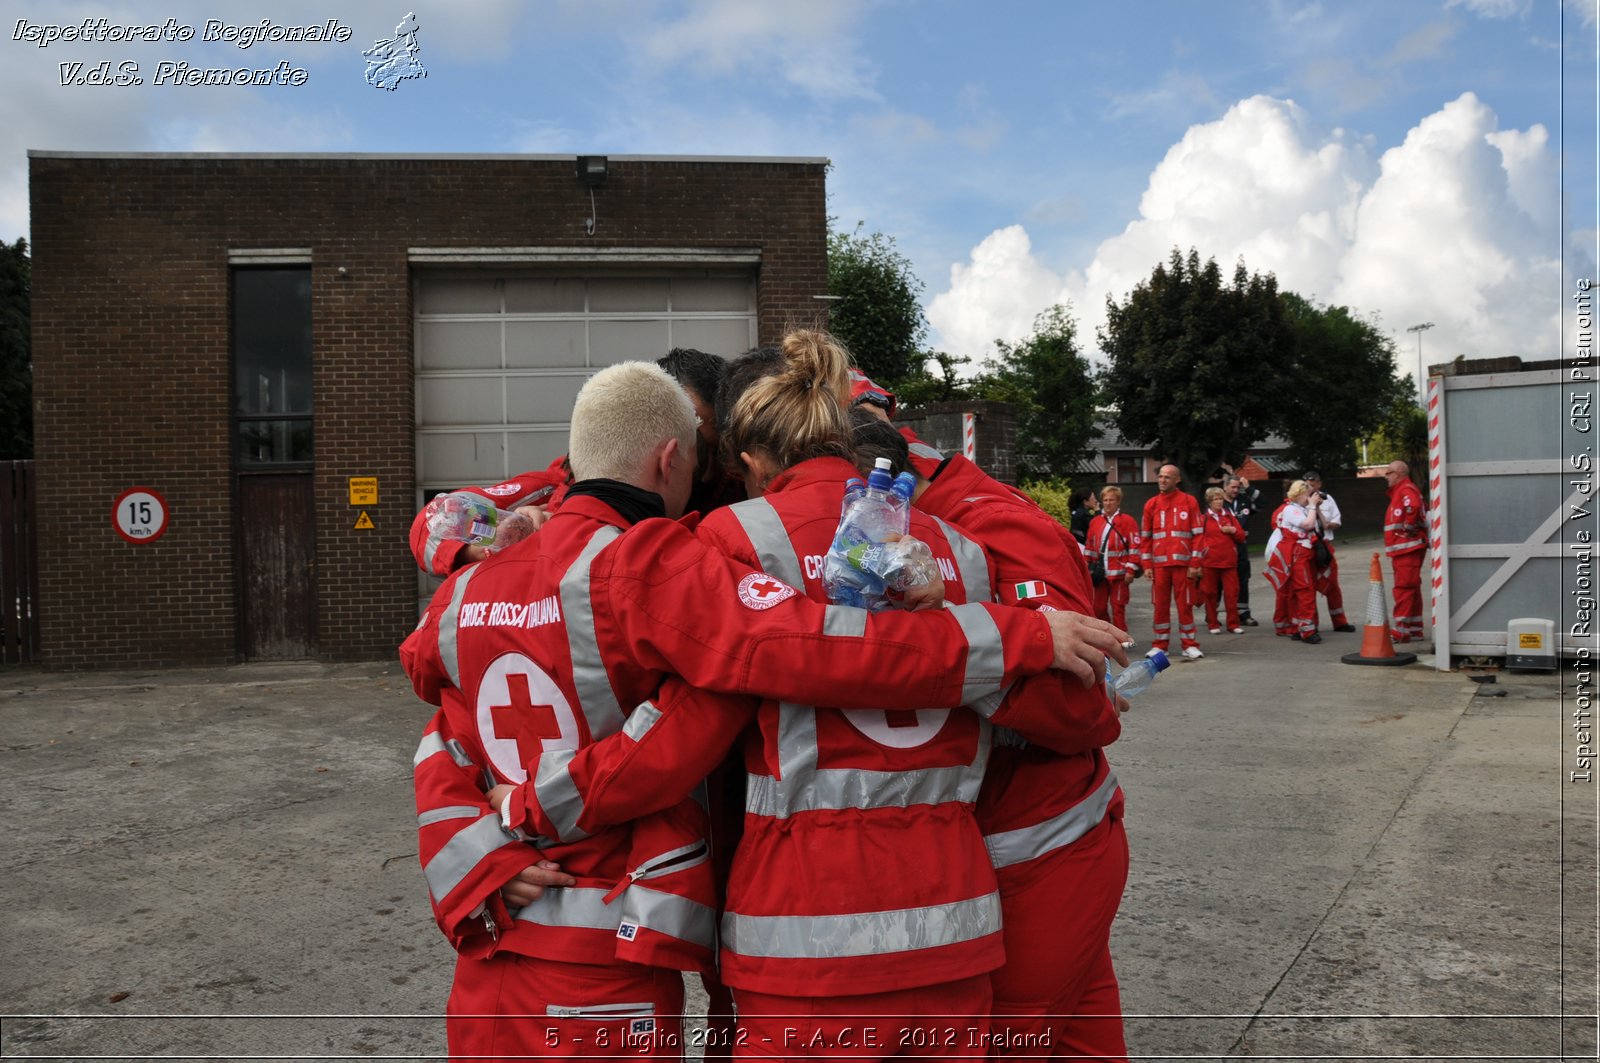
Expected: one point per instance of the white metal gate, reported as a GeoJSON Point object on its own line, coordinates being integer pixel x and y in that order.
{"type": "Point", "coordinates": [1505, 509]}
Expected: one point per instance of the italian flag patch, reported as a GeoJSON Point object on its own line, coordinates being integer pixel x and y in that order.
{"type": "Point", "coordinates": [1034, 588]}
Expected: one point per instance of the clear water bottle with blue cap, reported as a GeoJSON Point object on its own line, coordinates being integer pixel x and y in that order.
{"type": "Point", "coordinates": [1135, 678]}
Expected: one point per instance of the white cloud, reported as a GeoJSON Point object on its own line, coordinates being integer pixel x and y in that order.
{"type": "Point", "coordinates": [1441, 237]}
{"type": "Point", "coordinates": [810, 46]}
{"type": "Point", "coordinates": [1494, 8]}
{"type": "Point", "coordinates": [994, 296]}
{"type": "Point", "coordinates": [1456, 225]}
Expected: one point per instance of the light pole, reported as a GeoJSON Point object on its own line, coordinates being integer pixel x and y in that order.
{"type": "Point", "coordinates": [1422, 383]}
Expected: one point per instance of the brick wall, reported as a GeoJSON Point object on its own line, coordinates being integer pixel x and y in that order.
{"type": "Point", "coordinates": [131, 356]}
{"type": "Point", "coordinates": [939, 424]}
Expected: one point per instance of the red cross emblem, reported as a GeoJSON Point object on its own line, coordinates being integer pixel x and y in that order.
{"type": "Point", "coordinates": [760, 591]}
{"type": "Point", "coordinates": [522, 720]}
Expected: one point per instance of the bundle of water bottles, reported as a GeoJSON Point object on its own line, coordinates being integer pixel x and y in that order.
{"type": "Point", "coordinates": [873, 560]}
{"type": "Point", "coordinates": [473, 519]}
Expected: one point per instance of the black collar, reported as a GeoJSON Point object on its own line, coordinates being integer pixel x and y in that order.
{"type": "Point", "coordinates": [632, 503]}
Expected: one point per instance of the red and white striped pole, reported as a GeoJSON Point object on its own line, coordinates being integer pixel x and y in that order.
{"type": "Point", "coordinates": [969, 436]}
{"type": "Point", "coordinates": [1440, 598]}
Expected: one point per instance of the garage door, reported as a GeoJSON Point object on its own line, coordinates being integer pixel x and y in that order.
{"type": "Point", "coordinates": [500, 357]}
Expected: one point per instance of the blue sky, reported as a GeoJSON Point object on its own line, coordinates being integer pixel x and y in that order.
{"type": "Point", "coordinates": [1402, 157]}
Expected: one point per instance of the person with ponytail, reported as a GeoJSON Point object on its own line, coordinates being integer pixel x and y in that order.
{"type": "Point", "coordinates": [862, 886]}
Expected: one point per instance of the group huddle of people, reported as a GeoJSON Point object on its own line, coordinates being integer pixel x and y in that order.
{"type": "Point", "coordinates": [659, 748]}
{"type": "Point", "coordinates": [1195, 554]}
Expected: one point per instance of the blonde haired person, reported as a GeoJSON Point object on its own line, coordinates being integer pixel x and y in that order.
{"type": "Point", "coordinates": [1289, 564]}
{"type": "Point", "coordinates": [1114, 544]}
{"type": "Point", "coordinates": [620, 416]}
{"type": "Point", "coordinates": [818, 923]}
{"type": "Point", "coordinates": [1220, 541]}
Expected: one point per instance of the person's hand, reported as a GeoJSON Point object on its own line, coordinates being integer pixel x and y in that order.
{"type": "Point", "coordinates": [1196, 573]}
{"type": "Point", "coordinates": [1082, 644]}
{"type": "Point", "coordinates": [529, 884]}
{"type": "Point", "coordinates": [928, 595]}
{"type": "Point", "coordinates": [535, 513]}
{"type": "Point", "coordinates": [499, 795]}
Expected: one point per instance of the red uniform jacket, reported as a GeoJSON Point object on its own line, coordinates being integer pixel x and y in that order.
{"type": "Point", "coordinates": [1219, 533]}
{"type": "Point", "coordinates": [861, 866]}
{"type": "Point", "coordinates": [1406, 524]}
{"type": "Point", "coordinates": [1035, 799]}
{"type": "Point", "coordinates": [1117, 550]}
{"type": "Point", "coordinates": [439, 557]}
{"type": "Point", "coordinates": [1169, 531]}
{"type": "Point", "coordinates": [593, 621]}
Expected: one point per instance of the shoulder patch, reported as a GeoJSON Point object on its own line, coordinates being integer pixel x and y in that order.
{"type": "Point", "coordinates": [502, 490]}
{"type": "Point", "coordinates": [760, 591]}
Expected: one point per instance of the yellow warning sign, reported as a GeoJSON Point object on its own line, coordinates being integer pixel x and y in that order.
{"type": "Point", "coordinates": [363, 491]}
{"type": "Point", "coordinates": [1530, 641]}
{"type": "Point", "coordinates": [364, 522]}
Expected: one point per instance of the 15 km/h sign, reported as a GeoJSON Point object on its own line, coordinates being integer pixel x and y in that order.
{"type": "Point", "coordinates": [140, 515]}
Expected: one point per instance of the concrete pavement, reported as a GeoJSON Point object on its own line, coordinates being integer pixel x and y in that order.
{"type": "Point", "coordinates": [1328, 860]}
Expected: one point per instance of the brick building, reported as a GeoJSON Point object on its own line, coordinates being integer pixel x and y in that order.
{"type": "Point", "coordinates": [265, 342]}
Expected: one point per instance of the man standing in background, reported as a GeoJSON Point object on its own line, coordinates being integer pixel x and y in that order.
{"type": "Point", "coordinates": [1405, 524]}
{"type": "Point", "coordinates": [1169, 534]}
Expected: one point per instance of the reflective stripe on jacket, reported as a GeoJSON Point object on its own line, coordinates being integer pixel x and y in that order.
{"type": "Point", "coordinates": [861, 867]}
{"type": "Point", "coordinates": [1404, 520]}
{"type": "Point", "coordinates": [1169, 531]}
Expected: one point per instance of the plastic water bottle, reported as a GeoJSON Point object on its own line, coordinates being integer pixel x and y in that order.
{"type": "Point", "coordinates": [1139, 675]}
{"type": "Point", "coordinates": [857, 569]}
{"type": "Point", "coordinates": [463, 517]}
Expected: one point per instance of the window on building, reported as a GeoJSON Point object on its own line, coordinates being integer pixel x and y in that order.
{"type": "Point", "coordinates": [1130, 470]}
{"type": "Point", "coordinates": [272, 367]}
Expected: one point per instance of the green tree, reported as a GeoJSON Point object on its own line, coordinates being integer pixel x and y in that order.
{"type": "Point", "coordinates": [876, 310]}
{"type": "Point", "coordinates": [1402, 434]}
{"type": "Point", "coordinates": [923, 386]}
{"type": "Point", "coordinates": [1191, 363]}
{"type": "Point", "coordinates": [1052, 387]}
{"type": "Point", "coordinates": [1341, 370]}
{"type": "Point", "coordinates": [16, 368]}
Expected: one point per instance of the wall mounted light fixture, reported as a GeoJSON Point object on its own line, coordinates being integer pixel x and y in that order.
{"type": "Point", "coordinates": [592, 170]}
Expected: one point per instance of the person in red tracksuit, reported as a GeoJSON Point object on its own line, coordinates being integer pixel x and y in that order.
{"type": "Point", "coordinates": [1221, 562]}
{"type": "Point", "coordinates": [1051, 815]}
{"type": "Point", "coordinates": [1169, 548]}
{"type": "Point", "coordinates": [862, 914]}
{"type": "Point", "coordinates": [1289, 565]}
{"type": "Point", "coordinates": [1114, 542]}
{"type": "Point", "coordinates": [565, 638]}
{"type": "Point", "coordinates": [1405, 526]}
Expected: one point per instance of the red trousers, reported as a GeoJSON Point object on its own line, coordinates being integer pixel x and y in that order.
{"type": "Point", "coordinates": [517, 1006]}
{"type": "Point", "coordinates": [1221, 583]}
{"type": "Point", "coordinates": [931, 1022]}
{"type": "Point", "coordinates": [1057, 994]}
{"type": "Point", "coordinates": [1111, 601]}
{"type": "Point", "coordinates": [1168, 583]}
{"type": "Point", "coordinates": [1408, 593]}
{"type": "Point", "coordinates": [1295, 608]}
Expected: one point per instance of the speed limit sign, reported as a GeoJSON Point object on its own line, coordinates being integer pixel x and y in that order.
{"type": "Point", "coordinates": [140, 515]}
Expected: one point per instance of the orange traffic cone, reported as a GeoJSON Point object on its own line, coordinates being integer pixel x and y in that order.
{"type": "Point", "coordinates": [1376, 646]}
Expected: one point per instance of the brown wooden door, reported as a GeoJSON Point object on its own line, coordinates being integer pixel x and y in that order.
{"type": "Point", "coordinates": [277, 567]}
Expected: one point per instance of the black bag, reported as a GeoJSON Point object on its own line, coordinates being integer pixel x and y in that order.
{"type": "Point", "coordinates": [1097, 572]}
{"type": "Point", "coordinates": [1321, 554]}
